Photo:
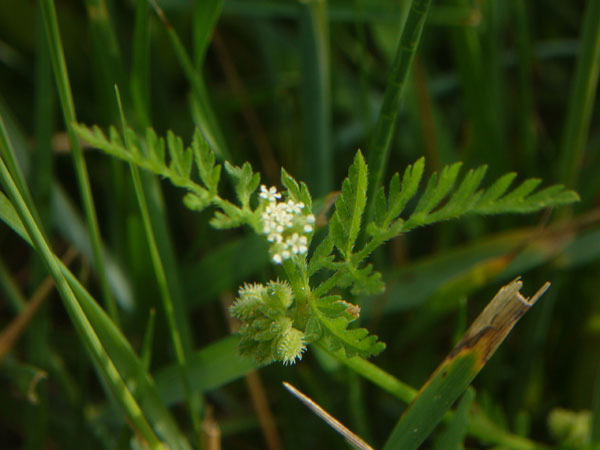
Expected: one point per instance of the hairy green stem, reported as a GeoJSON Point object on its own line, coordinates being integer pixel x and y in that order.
{"type": "Point", "coordinates": [68, 108]}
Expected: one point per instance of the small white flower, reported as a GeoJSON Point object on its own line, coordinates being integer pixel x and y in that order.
{"type": "Point", "coordinates": [308, 228]}
{"type": "Point", "coordinates": [270, 194]}
{"type": "Point", "coordinates": [277, 258]}
{"type": "Point", "coordinates": [310, 218]}
{"type": "Point", "coordinates": [294, 208]}
{"type": "Point", "coordinates": [275, 237]}
{"type": "Point", "coordinates": [285, 254]}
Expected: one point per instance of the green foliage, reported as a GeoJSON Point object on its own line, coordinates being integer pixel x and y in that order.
{"type": "Point", "coordinates": [344, 226]}
{"type": "Point", "coordinates": [150, 154]}
{"type": "Point", "coordinates": [332, 315]}
{"type": "Point", "coordinates": [279, 331]}
{"type": "Point", "coordinates": [509, 95]}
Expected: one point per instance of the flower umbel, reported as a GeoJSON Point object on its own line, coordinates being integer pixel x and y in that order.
{"type": "Point", "coordinates": [286, 225]}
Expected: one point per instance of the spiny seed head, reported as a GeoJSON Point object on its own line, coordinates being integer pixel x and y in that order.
{"type": "Point", "coordinates": [266, 328]}
{"type": "Point", "coordinates": [290, 346]}
{"type": "Point", "coordinates": [281, 292]}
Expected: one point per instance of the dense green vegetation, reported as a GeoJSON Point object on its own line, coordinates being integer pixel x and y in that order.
{"type": "Point", "coordinates": [163, 241]}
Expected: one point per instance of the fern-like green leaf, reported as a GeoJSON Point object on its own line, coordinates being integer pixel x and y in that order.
{"type": "Point", "coordinates": [334, 316]}
{"type": "Point", "coordinates": [321, 257]}
{"type": "Point", "coordinates": [246, 182]}
{"type": "Point", "coordinates": [349, 206]}
{"type": "Point", "coordinates": [298, 192]}
{"type": "Point", "coordinates": [400, 195]}
{"type": "Point", "coordinates": [205, 161]}
{"type": "Point", "coordinates": [363, 281]}
{"type": "Point", "coordinates": [437, 189]}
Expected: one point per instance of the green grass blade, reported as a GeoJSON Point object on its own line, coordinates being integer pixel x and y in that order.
{"type": "Point", "coordinates": [206, 15]}
{"type": "Point", "coordinates": [68, 107]}
{"type": "Point", "coordinates": [80, 321]}
{"type": "Point", "coordinates": [453, 436]}
{"type": "Point", "coordinates": [146, 353]}
{"type": "Point", "coordinates": [480, 425]}
{"type": "Point", "coordinates": [582, 97]}
{"type": "Point", "coordinates": [117, 347]}
{"type": "Point", "coordinates": [10, 289]}
{"type": "Point", "coordinates": [526, 108]}
{"type": "Point", "coordinates": [379, 147]}
{"type": "Point", "coordinates": [13, 166]}
{"type": "Point", "coordinates": [45, 105]}
{"type": "Point", "coordinates": [107, 63]}
{"type": "Point", "coordinates": [209, 368]}
{"type": "Point", "coordinates": [140, 92]}
{"type": "Point", "coordinates": [208, 121]}
{"type": "Point", "coordinates": [316, 96]}
{"type": "Point", "coordinates": [161, 278]}
{"type": "Point", "coordinates": [595, 426]}
{"type": "Point", "coordinates": [139, 80]}
{"type": "Point", "coordinates": [463, 363]}
{"type": "Point", "coordinates": [224, 268]}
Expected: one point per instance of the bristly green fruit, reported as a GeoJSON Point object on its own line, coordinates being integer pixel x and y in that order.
{"type": "Point", "coordinates": [266, 330]}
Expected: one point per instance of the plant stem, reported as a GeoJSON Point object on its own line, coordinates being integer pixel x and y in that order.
{"type": "Point", "coordinates": [480, 425]}
{"type": "Point", "coordinates": [379, 148]}
{"type": "Point", "coordinates": [68, 107]}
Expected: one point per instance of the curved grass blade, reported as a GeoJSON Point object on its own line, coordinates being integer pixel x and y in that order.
{"type": "Point", "coordinates": [118, 349]}
{"type": "Point", "coordinates": [453, 436]}
{"type": "Point", "coordinates": [463, 363]}
{"type": "Point", "coordinates": [209, 368]}
{"type": "Point", "coordinates": [68, 107]}
{"type": "Point", "coordinates": [583, 94]}
{"type": "Point", "coordinates": [163, 285]}
{"type": "Point", "coordinates": [84, 328]}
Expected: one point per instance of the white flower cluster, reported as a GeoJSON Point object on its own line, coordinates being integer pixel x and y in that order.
{"type": "Point", "coordinates": [285, 225]}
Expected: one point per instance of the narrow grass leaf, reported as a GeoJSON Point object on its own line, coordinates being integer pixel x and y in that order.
{"type": "Point", "coordinates": [66, 100]}
{"type": "Point", "coordinates": [456, 431]}
{"type": "Point", "coordinates": [578, 114]}
{"type": "Point", "coordinates": [209, 368]}
{"type": "Point", "coordinates": [463, 363]}
{"type": "Point", "coordinates": [84, 329]}
{"type": "Point", "coordinates": [117, 347]}
{"type": "Point", "coordinates": [380, 143]}
{"type": "Point", "coordinates": [316, 95]}
{"type": "Point", "coordinates": [595, 425]}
